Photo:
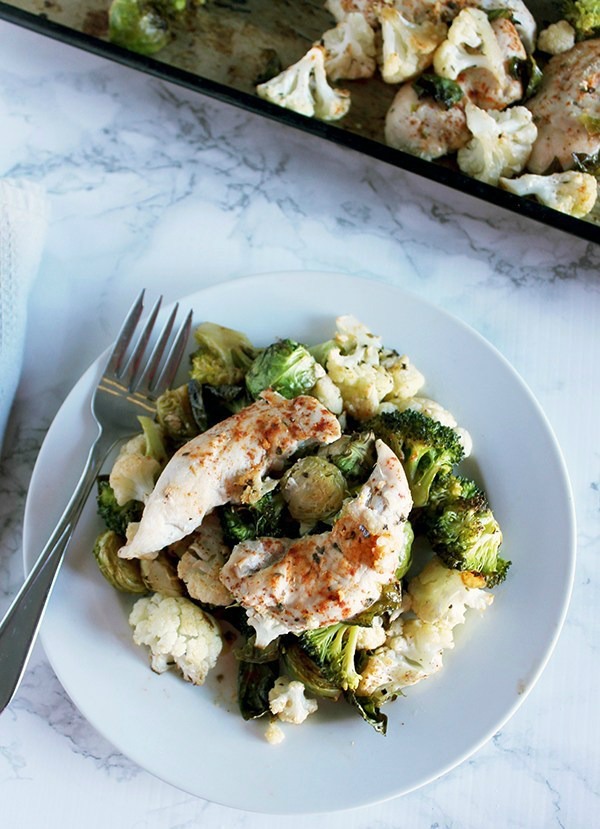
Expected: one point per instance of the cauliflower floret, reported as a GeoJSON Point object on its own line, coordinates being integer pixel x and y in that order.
{"type": "Point", "coordinates": [177, 633]}
{"type": "Point", "coordinates": [571, 192]}
{"type": "Point", "coordinates": [407, 379]}
{"type": "Point", "coordinates": [440, 595]}
{"type": "Point", "coordinates": [501, 142]}
{"type": "Point", "coordinates": [288, 702]}
{"type": "Point", "coordinates": [557, 38]}
{"type": "Point", "coordinates": [341, 9]}
{"type": "Point", "coordinates": [303, 88]}
{"type": "Point", "coordinates": [407, 46]}
{"type": "Point", "coordinates": [134, 474]}
{"type": "Point", "coordinates": [372, 637]}
{"type": "Point", "coordinates": [471, 42]}
{"type": "Point", "coordinates": [327, 393]}
{"type": "Point", "coordinates": [354, 366]}
{"type": "Point", "coordinates": [200, 565]}
{"type": "Point", "coordinates": [412, 652]}
{"type": "Point", "coordinates": [523, 19]}
{"type": "Point", "coordinates": [350, 49]}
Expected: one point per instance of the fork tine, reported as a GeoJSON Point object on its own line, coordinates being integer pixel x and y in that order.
{"type": "Point", "coordinates": [176, 352]}
{"type": "Point", "coordinates": [125, 334]}
{"type": "Point", "coordinates": [132, 371]}
{"type": "Point", "coordinates": [146, 378]}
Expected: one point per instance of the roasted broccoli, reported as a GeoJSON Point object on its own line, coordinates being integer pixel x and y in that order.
{"type": "Point", "coordinates": [467, 537]}
{"type": "Point", "coordinates": [425, 447]}
{"type": "Point", "coordinates": [223, 355]}
{"type": "Point", "coordinates": [333, 648]}
{"type": "Point", "coordinates": [285, 366]}
{"type": "Point", "coordinates": [114, 516]}
{"type": "Point", "coordinates": [584, 16]}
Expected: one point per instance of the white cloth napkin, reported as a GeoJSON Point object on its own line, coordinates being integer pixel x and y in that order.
{"type": "Point", "coordinates": [23, 222]}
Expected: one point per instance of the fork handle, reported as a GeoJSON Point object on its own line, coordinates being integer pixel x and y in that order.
{"type": "Point", "coordinates": [20, 625]}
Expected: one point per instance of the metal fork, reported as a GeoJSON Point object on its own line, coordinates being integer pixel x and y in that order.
{"type": "Point", "coordinates": [129, 386]}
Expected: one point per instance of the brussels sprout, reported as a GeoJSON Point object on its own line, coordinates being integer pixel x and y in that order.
{"type": "Point", "coordinates": [222, 401]}
{"type": "Point", "coordinates": [155, 445]}
{"type": "Point", "coordinates": [197, 406]}
{"type": "Point", "coordinates": [223, 355]}
{"type": "Point", "coordinates": [313, 488]}
{"type": "Point", "coordinates": [354, 455]}
{"type": "Point", "coordinates": [266, 517]}
{"type": "Point", "coordinates": [389, 601]}
{"type": "Point", "coordinates": [255, 680]}
{"type": "Point", "coordinates": [138, 25]}
{"type": "Point", "coordinates": [175, 415]}
{"type": "Point", "coordinates": [321, 351]}
{"type": "Point", "coordinates": [285, 366]}
{"type": "Point", "coordinates": [298, 664]}
{"type": "Point", "coordinates": [122, 573]}
{"type": "Point", "coordinates": [369, 711]}
{"type": "Point", "coordinates": [160, 575]}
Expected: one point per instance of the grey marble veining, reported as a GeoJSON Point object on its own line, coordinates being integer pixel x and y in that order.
{"type": "Point", "coordinates": [153, 185]}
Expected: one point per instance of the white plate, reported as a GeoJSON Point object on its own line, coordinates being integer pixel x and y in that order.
{"type": "Point", "coordinates": [194, 737]}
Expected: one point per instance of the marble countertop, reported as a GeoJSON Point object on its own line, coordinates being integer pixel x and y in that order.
{"type": "Point", "coordinates": [152, 185]}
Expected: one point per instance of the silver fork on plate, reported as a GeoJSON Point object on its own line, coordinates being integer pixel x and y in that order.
{"type": "Point", "coordinates": [129, 386]}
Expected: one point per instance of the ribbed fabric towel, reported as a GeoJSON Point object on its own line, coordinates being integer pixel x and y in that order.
{"type": "Point", "coordinates": [23, 223]}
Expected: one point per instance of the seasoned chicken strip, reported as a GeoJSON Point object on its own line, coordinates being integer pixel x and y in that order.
{"type": "Point", "coordinates": [317, 580]}
{"type": "Point", "coordinates": [225, 464]}
{"type": "Point", "coordinates": [564, 108]}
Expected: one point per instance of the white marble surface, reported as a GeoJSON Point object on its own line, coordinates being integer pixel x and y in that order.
{"type": "Point", "coordinates": [151, 185]}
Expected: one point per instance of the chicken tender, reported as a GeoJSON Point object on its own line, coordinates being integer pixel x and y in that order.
{"type": "Point", "coordinates": [318, 580]}
{"type": "Point", "coordinates": [226, 464]}
{"type": "Point", "coordinates": [567, 102]}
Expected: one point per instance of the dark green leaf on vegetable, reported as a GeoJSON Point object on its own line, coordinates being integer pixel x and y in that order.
{"type": "Point", "coordinates": [528, 73]}
{"type": "Point", "coordinates": [369, 711]}
{"type": "Point", "coordinates": [585, 163]}
{"type": "Point", "coordinates": [255, 680]}
{"type": "Point", "coordinates": [443, 90]}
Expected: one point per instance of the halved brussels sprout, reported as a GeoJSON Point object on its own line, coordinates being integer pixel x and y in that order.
{"type": "Point", "coordinates": [313, 488]}
{"type": "Point", "coordinates": [175, 416]}
{"type": "Point", "coordinates": [122, 573]}
{"type": "Point", "coordinates": [354, 455]}
{"type": "Point", "coordinates": [285, 366]}
{"type": "Point", "coordinates": [298, 665]}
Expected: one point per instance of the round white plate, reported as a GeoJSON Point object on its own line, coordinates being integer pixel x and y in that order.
{"type": "Point", "coordinates": [194, 737]}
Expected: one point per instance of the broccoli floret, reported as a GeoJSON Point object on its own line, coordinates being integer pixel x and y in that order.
{"type": "Point", "coordinates": [115, 517]}
{"type": "Point", "coordinates": [584, 16]}
{"type": "Point", "coordinates": [333, 648]}
{"type": "Point", "coordinates": [425, 447]}
{"type": "Point", "coordinates": [467, 537]}
{"type": "Point", "coordinates": [223, 355]}
{"type": "Point", "coordinates": [285, 366]}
